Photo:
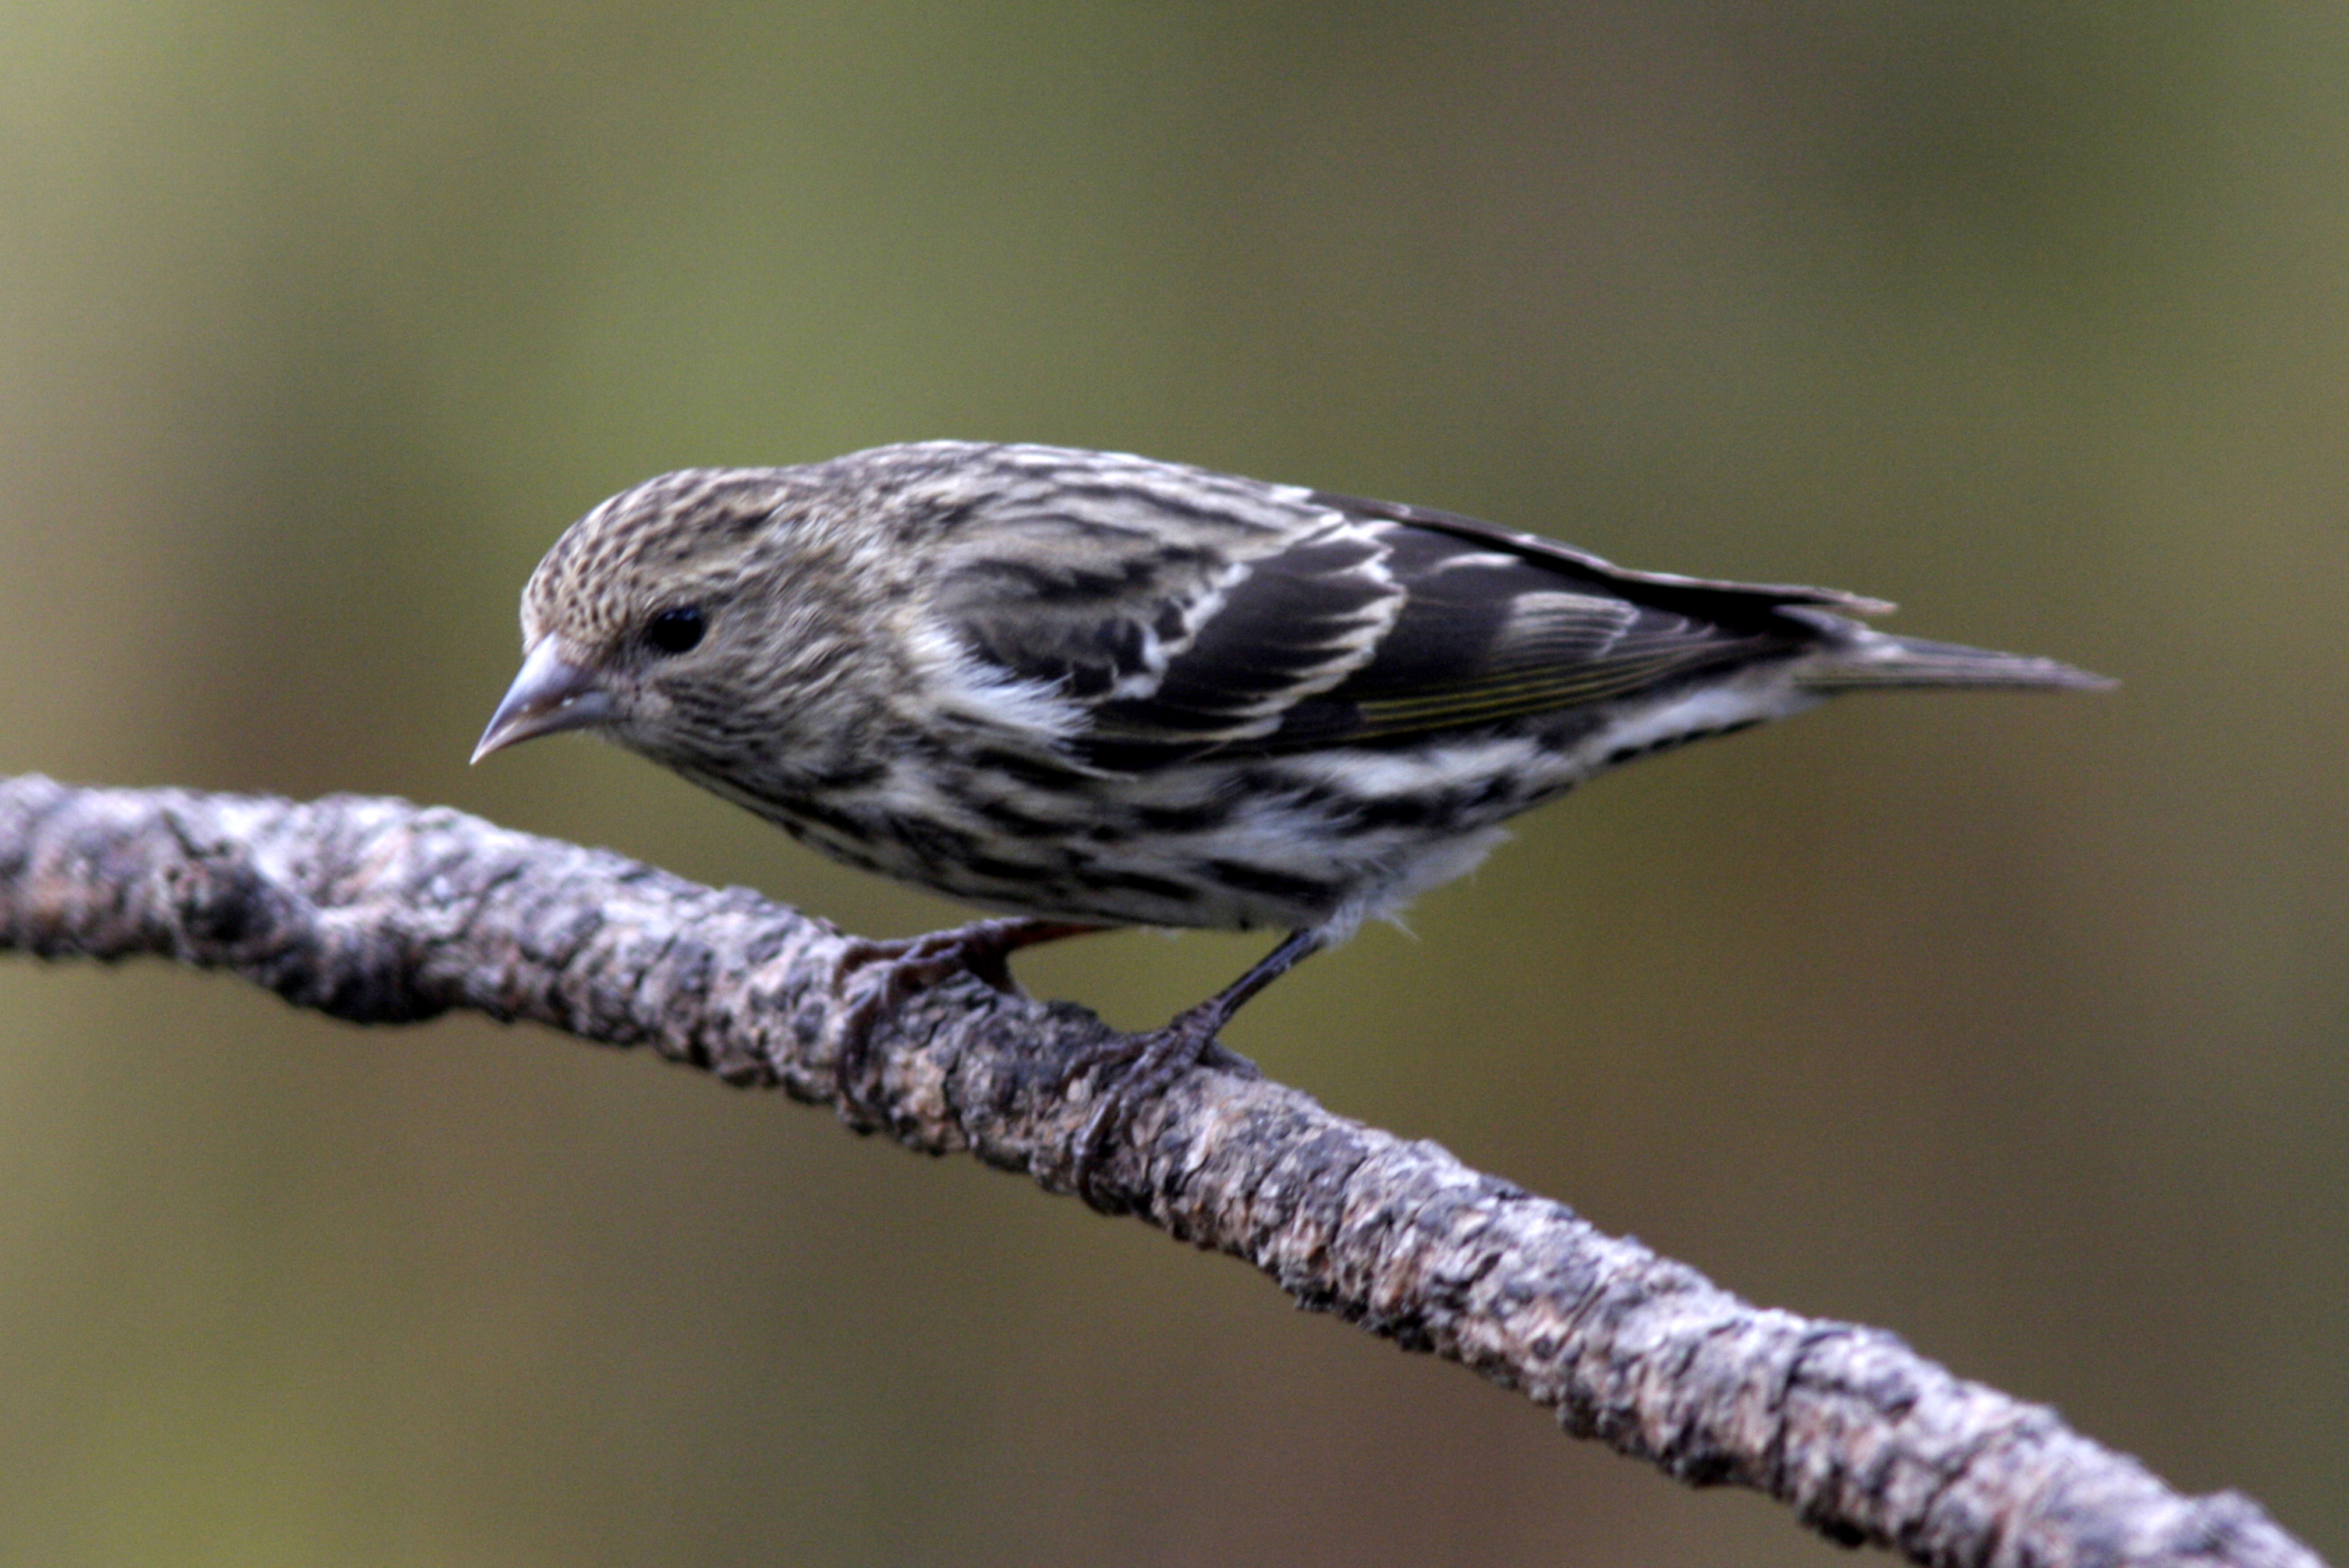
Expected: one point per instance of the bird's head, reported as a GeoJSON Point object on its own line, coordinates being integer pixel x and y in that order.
{"type": "Point", "coordinates": [699, 618]}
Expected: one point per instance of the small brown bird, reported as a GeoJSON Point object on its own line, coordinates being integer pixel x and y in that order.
{"type": "Point", "coordinates": [1093, 690]}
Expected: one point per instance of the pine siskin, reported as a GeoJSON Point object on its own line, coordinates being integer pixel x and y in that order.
{"type": "Point", "coordinates": [1093, 690]}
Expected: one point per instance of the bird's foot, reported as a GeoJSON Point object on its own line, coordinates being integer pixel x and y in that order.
{"type": "Point", "coordinates": [872, 978]}
{"type": "Point", "coordinates": [1129, 1071]}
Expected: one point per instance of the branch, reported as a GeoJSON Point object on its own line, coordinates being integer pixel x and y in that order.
{"type": "Point", "coordinates": [378, 912]}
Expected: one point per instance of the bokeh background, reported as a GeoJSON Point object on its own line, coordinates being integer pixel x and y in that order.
{"type": "Point", "coordinates": [2017, 1025]}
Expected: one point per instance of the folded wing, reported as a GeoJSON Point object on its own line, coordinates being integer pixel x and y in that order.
{"type": "Point", "coordinates": [1353, 623]}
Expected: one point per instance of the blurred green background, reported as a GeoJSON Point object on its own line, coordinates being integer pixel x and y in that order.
{"type": "Point", "coordinates": [2018, 1025]}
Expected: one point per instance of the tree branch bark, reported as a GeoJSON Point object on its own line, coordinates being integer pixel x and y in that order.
{"type": "Point", "coordinates": [378, 912]}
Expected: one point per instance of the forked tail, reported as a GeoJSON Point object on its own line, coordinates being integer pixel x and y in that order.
{"type": "Point", "coordinates": [1873, 660]}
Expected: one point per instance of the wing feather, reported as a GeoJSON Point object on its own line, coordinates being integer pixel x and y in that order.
{"type": "Point", "coordinates": [1703, 596]}
{"type": "Point", "coordinates": [1183, 620]}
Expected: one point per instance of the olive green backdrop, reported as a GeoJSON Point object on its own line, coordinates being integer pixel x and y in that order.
{"type": "Point", "coordinates": [2017, 1025]}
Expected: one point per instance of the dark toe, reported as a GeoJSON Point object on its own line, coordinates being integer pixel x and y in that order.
{"type": "Point", "coordinates": [1131, 1071]}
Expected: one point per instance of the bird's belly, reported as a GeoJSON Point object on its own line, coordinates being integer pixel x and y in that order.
{"type": "Point", "coordinates": [1322, 838]}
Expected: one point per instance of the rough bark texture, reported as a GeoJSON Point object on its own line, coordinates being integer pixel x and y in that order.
{"type": "Point", "coordinates": [378, 912]}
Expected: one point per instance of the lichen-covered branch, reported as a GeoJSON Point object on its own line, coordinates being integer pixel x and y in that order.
{"type": "Point", "coordinates": [379, 912]}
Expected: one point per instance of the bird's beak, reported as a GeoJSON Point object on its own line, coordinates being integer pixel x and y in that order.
{"type": "Point", "coordinates": [548, 695]}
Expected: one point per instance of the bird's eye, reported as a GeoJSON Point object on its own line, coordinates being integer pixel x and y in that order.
{"type": "Point", "coordinates": [674, 631]}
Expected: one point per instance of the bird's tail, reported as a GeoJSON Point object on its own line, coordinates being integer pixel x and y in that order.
{"type": "Point", "coordinates": [1870, 660]}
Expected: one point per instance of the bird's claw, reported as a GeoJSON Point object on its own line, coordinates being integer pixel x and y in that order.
{"type": "Point", "coordinates": [1131, 1070]}
{"type": "Point", "coordinates": [873, 978]}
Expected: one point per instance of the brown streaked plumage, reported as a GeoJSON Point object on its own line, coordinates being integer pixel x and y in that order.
{"type": "Point", "coordinates": [1089, 689]}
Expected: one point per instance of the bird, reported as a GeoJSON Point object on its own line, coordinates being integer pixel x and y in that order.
{"type": "Point", "coordinates": [1087, 690]}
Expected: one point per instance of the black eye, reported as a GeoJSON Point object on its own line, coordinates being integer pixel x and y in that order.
{"type": "Point", "coordinates": [674, 631]}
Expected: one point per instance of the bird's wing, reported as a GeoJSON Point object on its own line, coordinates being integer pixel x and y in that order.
{"type": "Point", "coordinates": [1702, 595]}
{"type": "Point", "coordinates": [1499, 625]}
{"type": "Point", "coordinates": [1172, 618]}
{"type": "Point", "coordinates": [1176, 629]}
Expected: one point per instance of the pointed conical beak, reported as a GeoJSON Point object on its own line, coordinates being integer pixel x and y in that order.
{"type": "Point", "coordinates": [548, 695]}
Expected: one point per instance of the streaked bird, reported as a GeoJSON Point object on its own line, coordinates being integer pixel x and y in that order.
{"type": "Point", "coordinates": [1087, 690]}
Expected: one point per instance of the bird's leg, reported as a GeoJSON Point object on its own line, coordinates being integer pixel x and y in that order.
{"type": "Point", "coordinates": [885, 973]}
{"type": "Point", "coordinates": [1136, 1068]}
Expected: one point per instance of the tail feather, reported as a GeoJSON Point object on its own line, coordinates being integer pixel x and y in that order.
{"type": "Point", "coordinates": [1872, 660]}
